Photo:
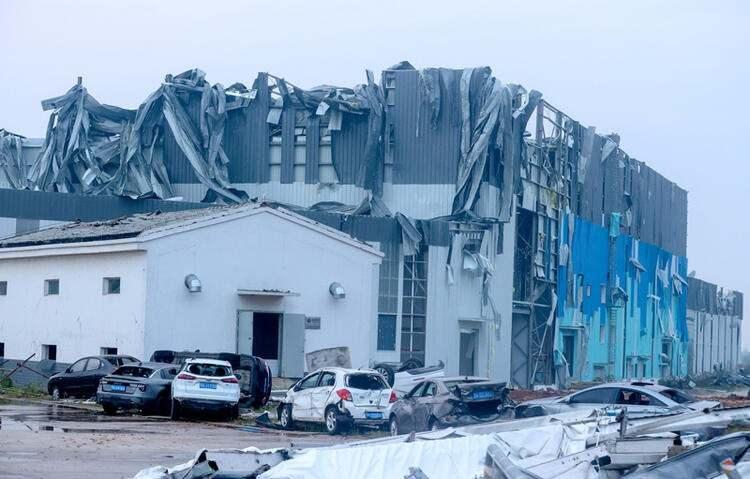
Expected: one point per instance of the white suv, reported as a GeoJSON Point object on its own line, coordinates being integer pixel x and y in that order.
{"type": "Point", "coordinates": [338, 398]}
{"type": "Point", "coordinates": [206, 384]}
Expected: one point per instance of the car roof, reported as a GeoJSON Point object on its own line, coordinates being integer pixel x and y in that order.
{"type": "Point", "coordinates": [216, 362]}
{"type": "Point", "coordinates": [641, 386]}
{"type": "Point", "coordinates": [343, 370]}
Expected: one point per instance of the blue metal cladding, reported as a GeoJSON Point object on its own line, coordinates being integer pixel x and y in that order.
{"type": "Point", "coordinates": [348, 147]}
{"type": "Point", "coordinates": [655, 312]}
{"type": "Point", "coordinates": [312, 150]}
{"type": "Point", "coordinates": [246, 138]}
{"type": "Point", "coordinates": [178, 166]}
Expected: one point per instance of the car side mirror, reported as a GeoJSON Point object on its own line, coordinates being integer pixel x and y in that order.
{"type": "Point", "coordinates": [238, 376]}
{"type": "Point", "coordinates": [67, 370]}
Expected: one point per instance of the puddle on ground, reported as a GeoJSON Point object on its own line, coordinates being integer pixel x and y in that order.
{"type": "Point", "coordinates": [8, 424]}
{"type": "Point", "coordinates": [43, 418]}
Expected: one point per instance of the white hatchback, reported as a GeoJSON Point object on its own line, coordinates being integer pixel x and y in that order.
{"type": "Point", "coordinates": [338, 398]}
{"type": "Point", "coordinates": [206, 384]}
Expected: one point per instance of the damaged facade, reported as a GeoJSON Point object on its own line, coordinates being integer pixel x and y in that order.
{"type": "Point", "coordinates": [518, 244]}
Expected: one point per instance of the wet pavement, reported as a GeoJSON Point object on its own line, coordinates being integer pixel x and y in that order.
{"type": "Point", "coordinates": [71, 442]}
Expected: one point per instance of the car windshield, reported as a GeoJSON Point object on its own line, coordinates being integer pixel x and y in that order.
{"type": "Point", "coordinates": [211, 370]}
{"type": "Point", "coordinates": [134, 371]}
{"type": "Point", "coordinates": [680, 397]}
{"type": "Point", "coordinates": [365, 381]}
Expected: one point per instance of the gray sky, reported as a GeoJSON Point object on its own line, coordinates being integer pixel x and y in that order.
{"type": "Point", "coordinates": [668, 76]}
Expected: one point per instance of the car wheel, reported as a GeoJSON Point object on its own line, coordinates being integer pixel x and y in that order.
{"type": "Point", "coordinates": [109, 409]}
{"type": "Point", "coordinates": [234, 412]}
{"type": "Point", "coordinates": [56, 394]}
{"type": "Point", "coordinates": [175, 411]}
{"type": "Point", "coordinates": [332, 421]}
{"type": "Point", "coordinates": [387, 372]}
{"type": "Point", "coordinates": [285, 418]}
{"type": "Point", "coordinates": [394, 426]}
{"type": "Point", "coordinates": [412, 363]}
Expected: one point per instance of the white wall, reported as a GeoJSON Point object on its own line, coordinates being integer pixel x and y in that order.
{"type": "Point", "coordinates": [80, 320]}
{"type": "Point", "coordinates": [262, 251]}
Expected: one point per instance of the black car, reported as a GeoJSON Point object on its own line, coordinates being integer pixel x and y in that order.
{"type": "Point", "coordinates": [449, 402]}
{"type": "Point", "coordinates": [82, 378]}
{"type": "Point", "coordinates": [143, 386]}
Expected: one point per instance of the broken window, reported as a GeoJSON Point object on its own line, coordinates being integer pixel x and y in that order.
{"type": "Point", "coordinates": [107, 351]}
{"type": "Point", "coordinates": [3, 288]}
{"type": "Point", "coordinates": [602, 329]}
{"type": "Point", "coordinates": [388, 297]}
{"type": "Point", "coordinates": [111, 286]}
{"type": "Point", "coordinates": [51, 287]}
{"type": "Point", "coordinates": [49, 352]}
{"type": "Point", "coordinates": [414, 306]}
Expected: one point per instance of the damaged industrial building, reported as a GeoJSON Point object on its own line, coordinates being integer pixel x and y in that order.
{"type": "Point", "coordinates": [517, 243]}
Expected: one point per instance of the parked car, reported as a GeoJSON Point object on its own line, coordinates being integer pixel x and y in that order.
{"type": "Point", "coordinates": [143, 386]}
{"type": "Point", "coordinates": [81, 379]}
{"type": "Point", "coordinates": [639, 397]}
{"type": "Point", "coordinates": [338, 398]}
{"type": "Point", "coordinates": [206, 384]}
{"type": "Point", "coordinates": [449, 402]}
{"type": "Point", "coordinates": [254, 373]}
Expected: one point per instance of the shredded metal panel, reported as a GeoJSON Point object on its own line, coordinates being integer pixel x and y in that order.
{"type": "Point", "coordinates": [287, 145]}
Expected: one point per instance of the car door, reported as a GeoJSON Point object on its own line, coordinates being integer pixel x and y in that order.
{"type": "Point", "coordinates": [94, 372]}
{"type": "Point", "coordinates": [404, 409]}
{"type": "Point", "coordinates": [301, 401]}
{"type": "Point", "coordinates": [423, 406]}
{"type": "Point", "coordinates": [594, 398]}
{"type": "Point", "coordinates": [319, 395]}
{"type": "Point", "coordinates": [71, 380]}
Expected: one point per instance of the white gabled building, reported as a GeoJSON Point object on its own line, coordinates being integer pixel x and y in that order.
{"type": "Point", "coordinates": [252, 279]}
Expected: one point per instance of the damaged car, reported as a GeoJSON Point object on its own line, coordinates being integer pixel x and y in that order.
{"type": "Point", "coordinates": [641, 398]}
{"type": "Point", "coordinates": [81, 379]}
{"type": "Point", "coordinates": [143, 386]}
{"type": "Point", "coordinates": [206, 385]}
{"type": "Point", "coordinates": [338, 398]}
{"type": "Point", "coordinates": [449, 402]}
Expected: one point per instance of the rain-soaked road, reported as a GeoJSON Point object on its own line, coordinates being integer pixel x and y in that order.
{"type": "Point", "coordinates": [59, 442]}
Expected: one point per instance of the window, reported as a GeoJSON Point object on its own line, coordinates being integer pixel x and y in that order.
{"type": "Point", "coordinates": [134, 371]}
{"type": "Point", "coordinates": [414, 306]}
{"type": "Point", "coordinates": [49, 352]}
{"type": "Point", "coordinates": [602, 329]}
{"type": "Point", "coordinates": [594, 396]}
{"type": "Point", "coordinates": [169, 373]}
{"type": "Point", "coordinates": [2, 350]}
{"type": "Point", "coordinates": [603, 293]}
{"type": "Point", "coordinates": [111, 286]}
{"type": "Point", "coordinates": [368, 382]}
{"type": "Point", "coordinates": [209, 370]}
{"type": "Point", "coordinates": [328, 379]}
{"type": "Point", "coordinates": [677, 396]}
{"type": "Point", "coordinates": [309, 382]}
{"type": "Point", "coordinates": [429, 390]}
{"type": "Point", "coordinates": [107, 351]}
{"type": "Point", "coordinates": [388, 297]}
{"type": "Point", "coordinates": [93, 364]}
{"type": "Point", "coordinates": [78, 366]}
{"type": "Point", "coordinates": [416, 390]}
{"type": "Point", "coordinates": [51, 287]}
{"type": "Point", "coordinates": [636, 398]}
{"type": "Point", "coordinates": [3, 288]}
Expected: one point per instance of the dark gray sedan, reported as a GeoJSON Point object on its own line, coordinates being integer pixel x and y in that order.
{"type": "Point", "coordinates": [448, 402]}
{"type": "Point", "coordinates": [142, 386]}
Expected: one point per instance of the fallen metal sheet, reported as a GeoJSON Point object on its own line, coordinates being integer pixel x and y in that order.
{"type": "Point", "coordinates": [241, 462]}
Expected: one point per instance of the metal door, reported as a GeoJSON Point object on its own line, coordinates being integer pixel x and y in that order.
{"type": "Point", "coordinates": [519, 352]}
{"type": "Point", "coordinates": [292, 346]}
{"type": "Point", "coordinates": [245, 332]}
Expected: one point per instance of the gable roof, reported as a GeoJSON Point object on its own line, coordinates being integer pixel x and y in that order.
{"type": "Point", "coordinates": [147, 226]}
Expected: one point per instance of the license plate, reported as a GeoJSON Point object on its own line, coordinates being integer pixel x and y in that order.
{"type": "Point", "coordinates": [482, 394]}
{"type": "Point", "coordinates": [374, 415]}
{"type": "Point", "coordinates": [208, 385]}
{"type": "Point", "coordinates": [119, 388]}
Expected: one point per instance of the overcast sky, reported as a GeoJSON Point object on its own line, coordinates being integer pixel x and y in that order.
{"type": "Point", "coordinates": [668, 76]}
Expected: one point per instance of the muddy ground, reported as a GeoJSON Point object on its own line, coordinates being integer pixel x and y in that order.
{"type": "Point", "coordinates": [55, 441]}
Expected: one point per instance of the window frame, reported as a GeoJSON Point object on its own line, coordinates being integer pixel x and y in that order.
{"type": "Point", "coordinates": [613, 391]}
{"type": "Point", "coordinates": [107, 283]}
{"type": "Point", "coordinates": [316, 375]}
{"type": "Point", "coordinates": [3, 288]}
{"type": "Point", "coordinates": [46, 349]}
{"type": "Point", "coordinates": [84, 361]}
{"type": "Point", "coordinates": [47, 287]}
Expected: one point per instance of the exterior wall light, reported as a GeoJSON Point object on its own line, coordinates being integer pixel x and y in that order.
{"type": "Point", "coordinates": [337, 291]}
{"type": "Point", "coordinates": [192, 283]}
